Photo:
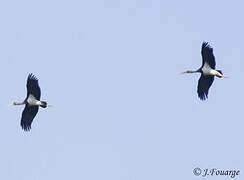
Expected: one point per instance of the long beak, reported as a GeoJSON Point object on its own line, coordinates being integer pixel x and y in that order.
{"type": "Point", "coordinates": [49, 105]}
{"type": "Point", "coordinates": [10, 105]}
{"type": "Point", "coordinates": [183, 72]}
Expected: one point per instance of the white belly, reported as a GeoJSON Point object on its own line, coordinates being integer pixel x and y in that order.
{"type": "Point", "coordinates": [32, 101]}
{"type": "Point", "coordinates": [207, 70]}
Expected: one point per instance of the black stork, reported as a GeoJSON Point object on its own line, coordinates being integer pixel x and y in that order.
{"type": "Point", "coordinates": [32, 102]}
{"type": "Point", "coordinates": [207, 71]}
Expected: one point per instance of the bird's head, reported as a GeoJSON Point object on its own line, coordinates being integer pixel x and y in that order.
{"type": "Point", "coordinates": [11, 104]}
{"type": "Point", "coordinates": [185, 72]}
{"type": "Point", "coordinates": [16, 103]}
{"type": "Point", "coordinates": [189, 71]}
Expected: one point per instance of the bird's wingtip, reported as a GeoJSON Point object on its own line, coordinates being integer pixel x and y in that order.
{"type": "Point", "coordinates": [206, 45]}
{"type": "Point", "coordinates": [25, 127]}
{"type": "Point", "coordinates": [32, 76]}
{"type": "Point", "coordinates": [203, 96]}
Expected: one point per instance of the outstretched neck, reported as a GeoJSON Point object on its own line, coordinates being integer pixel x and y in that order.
{"type": "Point", "coordinates": [19, 103]}
{"type": "Point", "coordinates": [190, 71]}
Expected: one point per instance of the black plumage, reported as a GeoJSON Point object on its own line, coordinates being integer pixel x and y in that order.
{"type": "Point", "coordinates": [28, 115]}
{"type": "Point", "coordinates": [207, 71]}
{"type": "Point", "coordinates": [205, 81]}
{"type": "Point", "coordinates": [207, 55]}
{"type": "Point", "coordinates": [30, 111]}
{"type": "Point", "coordinates": [33, 87]}
{"type": "Point", "coordinates": [203, 86]}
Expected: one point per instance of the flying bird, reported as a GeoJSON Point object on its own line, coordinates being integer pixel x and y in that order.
{"type": "Point", "coordinates": [207, 71]}
{"type": "Point", "coordinates": [32, 102]}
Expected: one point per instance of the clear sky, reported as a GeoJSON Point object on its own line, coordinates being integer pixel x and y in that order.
{"type": "Point", "coordinates": [121, 109]}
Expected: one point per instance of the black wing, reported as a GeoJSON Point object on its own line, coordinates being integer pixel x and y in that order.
{"type": "Point", "coordinates": [33, 87]}
{"type": "Point", "coordinates": [27, 116]}
{"type": "Point", "coordinates": [207, 55]}
{"type": "Point", "coordinates": [203, 86]}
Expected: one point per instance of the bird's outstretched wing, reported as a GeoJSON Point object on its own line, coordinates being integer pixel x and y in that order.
{"type": "Point", "coordinates": [203, 86]}
{"type": "Point", "coordinates": [33, 87]}
{"type": "Point", "coordinates": [27, 116]}
{"type": "Point", "coordinates": [207, 55]}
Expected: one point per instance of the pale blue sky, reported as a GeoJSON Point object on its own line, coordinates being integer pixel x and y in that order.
{"type": "Point", "coordinates": [121, 109]}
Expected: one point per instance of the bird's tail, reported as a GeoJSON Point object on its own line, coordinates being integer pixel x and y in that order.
{"type": "Point", "coordinates": [220, 71]}
{"type": "Point", "coordinates": [44, 104]}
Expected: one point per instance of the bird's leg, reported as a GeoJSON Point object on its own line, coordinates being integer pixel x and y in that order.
{"type": "Point", "coordinates": [218, 74]}
{"type": "Point", "coordinates": [223, 76]}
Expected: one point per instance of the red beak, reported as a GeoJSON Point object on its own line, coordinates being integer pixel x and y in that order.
{"type": "Point", "coordinates": [184, 72]}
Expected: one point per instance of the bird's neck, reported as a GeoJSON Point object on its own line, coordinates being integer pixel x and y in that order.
{"type": "Point", "coordinates": [19, 103]}
{"type": "Point", "coordinates": [196, 71]}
